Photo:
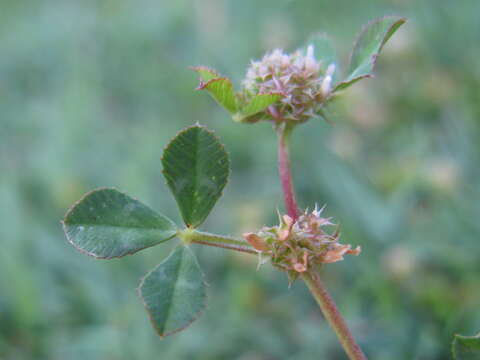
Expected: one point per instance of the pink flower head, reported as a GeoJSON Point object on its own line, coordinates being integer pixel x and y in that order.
{"type": "Point", "coordinates": [306, 84]}
{"type": "Point", "coordinates": [296, 246]}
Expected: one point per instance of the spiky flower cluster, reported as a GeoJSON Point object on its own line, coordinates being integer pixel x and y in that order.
{"type": "Point", "coordinates": [296, 246]}
{"type": "Point", "coordinates": [305, 83]}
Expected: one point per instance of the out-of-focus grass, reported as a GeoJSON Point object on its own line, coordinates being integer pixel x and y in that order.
{"type": "Point", "coordinates": [90, 92]}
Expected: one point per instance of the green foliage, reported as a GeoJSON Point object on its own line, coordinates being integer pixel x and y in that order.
{"type": "Point", "coordinates": [174, 292]}
{"type": "Point", "coordinates": [466, 347]}
{"type": "Point", "coordinates": [221, 89]}
{"type": "Point", "coordinates": [196, 167]}
{"type": "Point", "coordinates": [107, 224]}
{"type": "Point", "coordinates": [257, 104]}
{"type": "Point", "coordinates": [367, 48]}
{"type": "Point", "coordinates": [206, 74]}
{"type": "Point", "coordinates": [363, 58]}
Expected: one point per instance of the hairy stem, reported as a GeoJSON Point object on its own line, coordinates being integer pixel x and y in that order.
{"type": "Point", "coordinates": [221, 241]}
{"type": "Point", "coordinates": [285, 171]}
{"type": "Point", "coordinates": [333, 316]}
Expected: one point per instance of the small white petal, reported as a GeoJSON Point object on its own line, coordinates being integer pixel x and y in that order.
{"type": "Point", "coordinates": [326, 85]}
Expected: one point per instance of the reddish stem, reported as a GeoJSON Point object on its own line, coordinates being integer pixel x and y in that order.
{"type": "Point", "coordinates": [313, 281]}
{"type": "Point", "coordinates": [333, 316]}
{"type": "Point", "coordinates": [285, 171]}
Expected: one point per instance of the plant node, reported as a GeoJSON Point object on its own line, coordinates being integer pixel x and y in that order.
{"type": "Point", "coordinates": [186, 235]}
{"type": "Point", "coordinates": [298, 246]}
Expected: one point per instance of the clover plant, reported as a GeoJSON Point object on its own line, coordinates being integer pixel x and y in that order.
{"type": "Point", "coordinates": [285, 90]}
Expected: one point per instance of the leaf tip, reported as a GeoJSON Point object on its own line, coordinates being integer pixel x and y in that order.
{"type": "Point", "coordinates": [161, 328]}
{"type": "Point", "coordinates": [203, 68]}
{"type": "Point", "coordinates": [362, 62]}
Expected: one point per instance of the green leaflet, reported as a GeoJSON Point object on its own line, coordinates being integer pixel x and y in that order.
{"type": "Point", "coordinates": [196, 167]}
{"type": "Point", "coordinates": [221, 89]}
{"type": "Point", "coordinates": [257, 104]}
{"type": "Point", "coordinates": [466, 347]}
{"type": "Point", "coordinates": [206, 74]}
{"type": "Point", "coordinates": [174, 292]}
{"type": "Point", "coordinates": [368, 46]}
{"type": "Point", "coordinates": [107, 224]}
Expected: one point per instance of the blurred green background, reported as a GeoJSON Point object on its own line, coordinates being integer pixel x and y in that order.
{"type": "Point", "coordinates": [90, 93]}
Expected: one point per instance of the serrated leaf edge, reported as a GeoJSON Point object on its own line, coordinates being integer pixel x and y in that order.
{"type": "Point", "coordinates": [400, 21]}
{"type": "Point", "coordinates": [79, 249]}
{"type": "Point", "coordinates": [203, 85]}
{"type": "Point", "coordinates": [211, 132]}
{"type": "Point", "coordinates": [205, 68]}
{"type": "Point", "coordinates": [198, 314]}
